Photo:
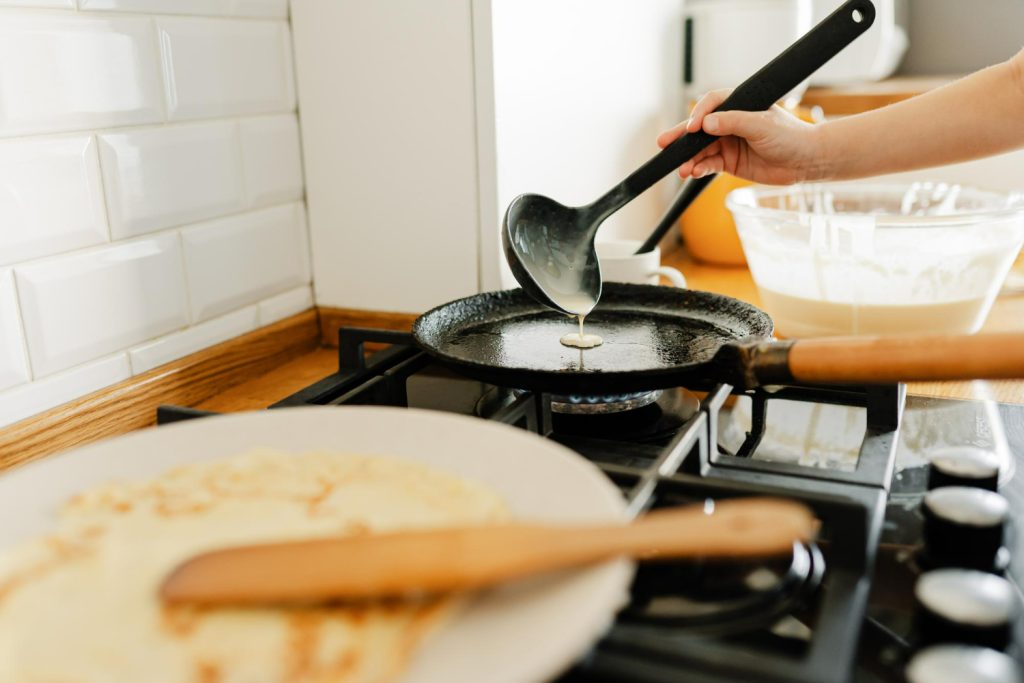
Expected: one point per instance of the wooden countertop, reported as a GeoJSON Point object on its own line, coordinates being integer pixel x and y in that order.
{"type": "Point", "coordinates": [258, 369]}
{"type": "Point", "coordinates": [276, 384]}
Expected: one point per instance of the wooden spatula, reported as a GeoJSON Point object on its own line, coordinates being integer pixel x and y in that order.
{"type": "Point", "coordinates": [396, 564]}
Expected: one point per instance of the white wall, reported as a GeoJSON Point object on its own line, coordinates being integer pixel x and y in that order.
{"type": "Point", "coordinates": [581, 90]}
{"type": "Point", "coordinates": [151, 192]}
{"type": "Point", "coordinates": [422, 120]}
{"type": "Point", "coordinates": [389, 130]}
{"type": "Point", "coordinates": [957, 37]}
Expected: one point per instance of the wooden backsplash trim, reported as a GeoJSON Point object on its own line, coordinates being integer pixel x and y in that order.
{"type": "Point", "coordinates": [132, 403]}
{"type": "Point", "coordinates": [333, 318]}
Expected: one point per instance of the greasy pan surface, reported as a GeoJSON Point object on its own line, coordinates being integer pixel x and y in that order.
{"type": "Point", "coordinates": [654, 337]}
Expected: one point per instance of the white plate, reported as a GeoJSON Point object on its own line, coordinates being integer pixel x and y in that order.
{"type": "Point", "coordinates": [520, 633]}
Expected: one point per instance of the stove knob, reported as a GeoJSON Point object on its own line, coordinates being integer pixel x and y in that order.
{"type": "Point", "coordinates": [964, 527]}
{"type": "Point", "coordinates": [964, 466]}
{"type": "Point", "coordinates": [964, 606]}
{"type": "Point", "coordinates": [962, 664]}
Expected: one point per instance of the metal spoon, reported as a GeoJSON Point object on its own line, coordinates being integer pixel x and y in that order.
{"type": "Point", "coordinates": [550, 247]}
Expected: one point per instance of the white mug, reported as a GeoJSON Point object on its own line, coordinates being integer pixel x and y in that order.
{"type": "Point", "coordinates": [621, 263]}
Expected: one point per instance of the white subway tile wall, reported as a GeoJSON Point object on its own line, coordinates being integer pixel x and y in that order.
{"type": "Point", "coordinates": [90, 304]}
{"type": "Point", "coordinates": [271, 161]}
{"type": "Point", "coordinates": [236, 261]}
{"type": "Point", "coordinates": [13, 362]}
{"type": "Point", "coordinates": [61, 4]}
{"type": "Point", "coordinates": [51, 198]}
{"type": "Point", "coordinates": [151, 188]}
{"type": "Point", "coordinates": [215, 67]}
{"type": "Point", "coordinates": [175, 346]}
{"type": "Point", "coordinates": [268, 9]}
{"type": "Point", "coordinates": [157, 178]}
{"type": "Point", "coordinates": [35, 397]}
{"type": "Point", "coordinates": [284, 305]}
{"type": "Point", "coordinates": [73, 72]}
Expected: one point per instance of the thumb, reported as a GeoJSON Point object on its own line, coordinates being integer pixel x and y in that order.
{"type": "Point", "coordinates": [744, 124]}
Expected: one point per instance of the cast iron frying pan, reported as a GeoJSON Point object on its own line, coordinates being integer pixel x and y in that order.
{"type": "Point", "coordinates": [659, 337]}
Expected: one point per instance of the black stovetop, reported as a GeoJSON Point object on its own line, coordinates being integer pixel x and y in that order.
{"type": "Point", "coordinates": [837, 611]}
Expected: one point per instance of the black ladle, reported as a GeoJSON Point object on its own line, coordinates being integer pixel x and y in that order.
{"type": "Point", "coordinates": [550, 247]}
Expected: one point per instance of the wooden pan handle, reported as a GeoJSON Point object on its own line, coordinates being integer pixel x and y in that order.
{"type": "Point", "coordinates": [911, 358]}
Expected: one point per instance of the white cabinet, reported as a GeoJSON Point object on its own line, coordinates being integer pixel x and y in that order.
{"type": "Point", "coordinates": [387, 112]}
{"type": "Point", "coordinates": [422, 120]}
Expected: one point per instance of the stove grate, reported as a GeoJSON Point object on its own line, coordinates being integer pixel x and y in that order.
{"type": "Point", "coordinates": [689, 466]}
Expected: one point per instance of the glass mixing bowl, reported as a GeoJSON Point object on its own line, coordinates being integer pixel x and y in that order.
{"type": "Point", "coordinates": [854, 258]}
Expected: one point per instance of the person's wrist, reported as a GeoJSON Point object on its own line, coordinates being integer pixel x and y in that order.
{"type": "Point", "coordinates": [820, 162]}
{"type": "Point", "coordinates": [1016, 64]}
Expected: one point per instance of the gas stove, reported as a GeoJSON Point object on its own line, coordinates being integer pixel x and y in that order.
{"type": "Point", "coordinates": [850, 607]}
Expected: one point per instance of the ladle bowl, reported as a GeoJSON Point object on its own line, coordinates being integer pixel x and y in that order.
{"type": "Point", "coordinates": [550, 248]}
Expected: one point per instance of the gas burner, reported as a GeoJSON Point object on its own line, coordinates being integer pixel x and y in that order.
{"type": "Point", "coordinates": [672, 409]}
{"type": "Point", "coordinates": [725, 597]}
{"type": "Point", "coordinates": [602, 405]}
{"type": "Point", "coordinates": [651, 415]}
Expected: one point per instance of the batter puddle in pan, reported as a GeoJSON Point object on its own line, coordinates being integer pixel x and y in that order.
{"type": "Point", "coordinates": [631, 342]}
{"type": "Point", "coordinates": [581, 341]}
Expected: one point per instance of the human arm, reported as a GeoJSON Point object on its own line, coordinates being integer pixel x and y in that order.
{"type": "Point", "coordinates": [976, 116]}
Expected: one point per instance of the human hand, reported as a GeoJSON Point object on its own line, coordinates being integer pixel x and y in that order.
{"type": "Point", "coordinates": [772, 147]}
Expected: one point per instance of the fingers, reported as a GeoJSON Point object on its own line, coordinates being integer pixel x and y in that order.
{"type": "Point", "coordinates": [744, 124]}
{"type": "Point", "coordinates": [704, 105]}
{"type": "Point", "coordinates": [671, 134]}
{"type": "Point", "coordinates": [709, 165]}
{"type": "Point", "coordinates": [686, 169]}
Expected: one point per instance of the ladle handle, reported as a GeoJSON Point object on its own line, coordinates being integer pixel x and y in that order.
{"type": "Point", "coordinates": [873, 360]}
{"type": "Point", "coordinates": [757, 93]}
{"type": "Point", "coordinates": [691, 189]}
